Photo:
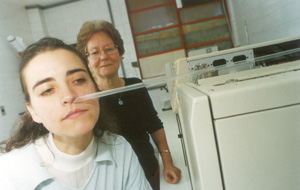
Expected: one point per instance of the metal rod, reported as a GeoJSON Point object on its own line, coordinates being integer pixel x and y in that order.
{"type": "Point", "coordinates": [162, 81]}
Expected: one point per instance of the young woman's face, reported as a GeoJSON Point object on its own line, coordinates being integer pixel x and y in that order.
{"type": "Point", "coordinates": [54, 79]}
{"type": "Point", "coordinates": [107, 65]}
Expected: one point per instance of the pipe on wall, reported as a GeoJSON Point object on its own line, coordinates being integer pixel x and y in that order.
{"type": "Point", "coordinates": [113, 23]}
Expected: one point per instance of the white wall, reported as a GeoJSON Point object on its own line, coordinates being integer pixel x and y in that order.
{"type": "Point", "coordinates": [121, 21]}
{"type": "Point", "coordinates": [255, 21]}
{"type": "Point", "coordinates": [13, 21]}
{"type": "Point", "coordinates": [65, 21]}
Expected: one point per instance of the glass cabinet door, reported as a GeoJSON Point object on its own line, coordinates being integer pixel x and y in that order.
{"type": "Point", "coordinates": [202, 32]}
{"type": "Point", "coordinates": [153, 19]}
{"type": "Point", "coordinates": [201, 12]}
{"type": "Point", "coordinates": [160, 41]}
{"type": "Point", "coordinates": [134, 5]}
{"type": "Point", "coordinates": [205, 25]}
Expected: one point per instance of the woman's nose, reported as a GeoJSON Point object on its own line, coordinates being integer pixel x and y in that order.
{"type": "Point", "coordinates": [103, 55]}
{"type": "Point", "coordinates": [68, 95]}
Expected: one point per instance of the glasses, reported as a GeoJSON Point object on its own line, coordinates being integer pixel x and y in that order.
{"type": "Point", "coordinates": [95, 54]}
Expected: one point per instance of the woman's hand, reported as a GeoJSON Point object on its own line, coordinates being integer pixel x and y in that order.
{"type": "Point", "coordinates": [171, 173]}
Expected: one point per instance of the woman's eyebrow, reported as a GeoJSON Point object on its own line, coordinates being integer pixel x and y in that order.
{"type": "Point", "coordinates": [41, 82]}
{"type": "Point", "coordinates": [70, 72]}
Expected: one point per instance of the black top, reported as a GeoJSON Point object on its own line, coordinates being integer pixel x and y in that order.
{"type": "Point", "coordinates": [136, 119]}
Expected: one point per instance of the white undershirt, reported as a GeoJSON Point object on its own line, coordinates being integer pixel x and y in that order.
{"type": "Point", "coordinates": [72, 170]}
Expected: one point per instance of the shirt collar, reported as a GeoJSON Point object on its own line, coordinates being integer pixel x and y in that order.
{"type": "Point", "coordinates": [32, 173]}
{"type": "Point", "coordinates": [104, 152]}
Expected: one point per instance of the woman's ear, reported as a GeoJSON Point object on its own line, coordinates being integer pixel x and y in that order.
{"type": "Point", "coordinates": [34, 116]}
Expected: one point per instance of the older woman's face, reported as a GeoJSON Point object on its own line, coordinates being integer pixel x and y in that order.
{"type": "Point", "coordinates": [53, 80]}
{"type": "Point", "coordinates": [107, 65]}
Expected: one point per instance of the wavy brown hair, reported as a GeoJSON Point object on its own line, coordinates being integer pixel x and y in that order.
{"type": "Point", "coordinates": [26, 130]}
{"type": "Point", "coordinates": [91, 27]}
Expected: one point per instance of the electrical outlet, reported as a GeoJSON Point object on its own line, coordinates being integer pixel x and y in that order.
{"type": "Point", "coordinates": [3, 112]}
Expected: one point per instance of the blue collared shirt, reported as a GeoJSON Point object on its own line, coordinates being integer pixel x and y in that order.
{"type": "Point", "coordinates": [116, 167]}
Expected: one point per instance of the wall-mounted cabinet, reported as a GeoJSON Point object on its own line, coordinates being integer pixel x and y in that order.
{"type": "Point", "coordinates": [162, 33]}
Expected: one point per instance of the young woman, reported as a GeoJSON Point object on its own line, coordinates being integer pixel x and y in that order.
{"type": "Point", "coordinates": [60, 144]}
{"type": "Point", "coordinates": [103, 46]}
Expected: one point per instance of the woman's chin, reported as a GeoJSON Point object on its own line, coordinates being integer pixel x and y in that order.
{"type": "Point", "coordinates": [107, 72]}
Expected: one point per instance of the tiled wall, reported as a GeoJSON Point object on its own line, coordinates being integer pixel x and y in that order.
{"type": "Point", "coordinates": [13, 21]}
{"type": "Point", "coordinates": [64, 22]}
{"type": "Point", "coordinates": [37, 23]}
{"type": "Point", "coordinates": [257, 21]}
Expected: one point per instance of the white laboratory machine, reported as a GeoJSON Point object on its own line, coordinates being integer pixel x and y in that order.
{"type": "Point", "coordinates": [241, 130]}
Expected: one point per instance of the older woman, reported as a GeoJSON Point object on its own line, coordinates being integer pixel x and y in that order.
{"type": "Point", "coordinates": [59, 144]}
{"type": "Point", "coordinates": [103, 46]}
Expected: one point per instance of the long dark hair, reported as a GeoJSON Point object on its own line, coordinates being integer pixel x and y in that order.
{"type": "Point", "coordinates": [27, 130]}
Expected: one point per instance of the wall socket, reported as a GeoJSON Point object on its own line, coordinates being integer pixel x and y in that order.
{"type": "Point", "coordinates": [2, 109]}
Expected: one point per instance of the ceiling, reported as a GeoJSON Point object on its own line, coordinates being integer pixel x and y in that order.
{"type": "Point", "coordinates": [41, 3]}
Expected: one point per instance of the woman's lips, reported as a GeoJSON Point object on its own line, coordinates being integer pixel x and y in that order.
{"type": "Point", "coordinates": [105, 65]}
{"type": "Point", "coordinates": [74, 114]}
